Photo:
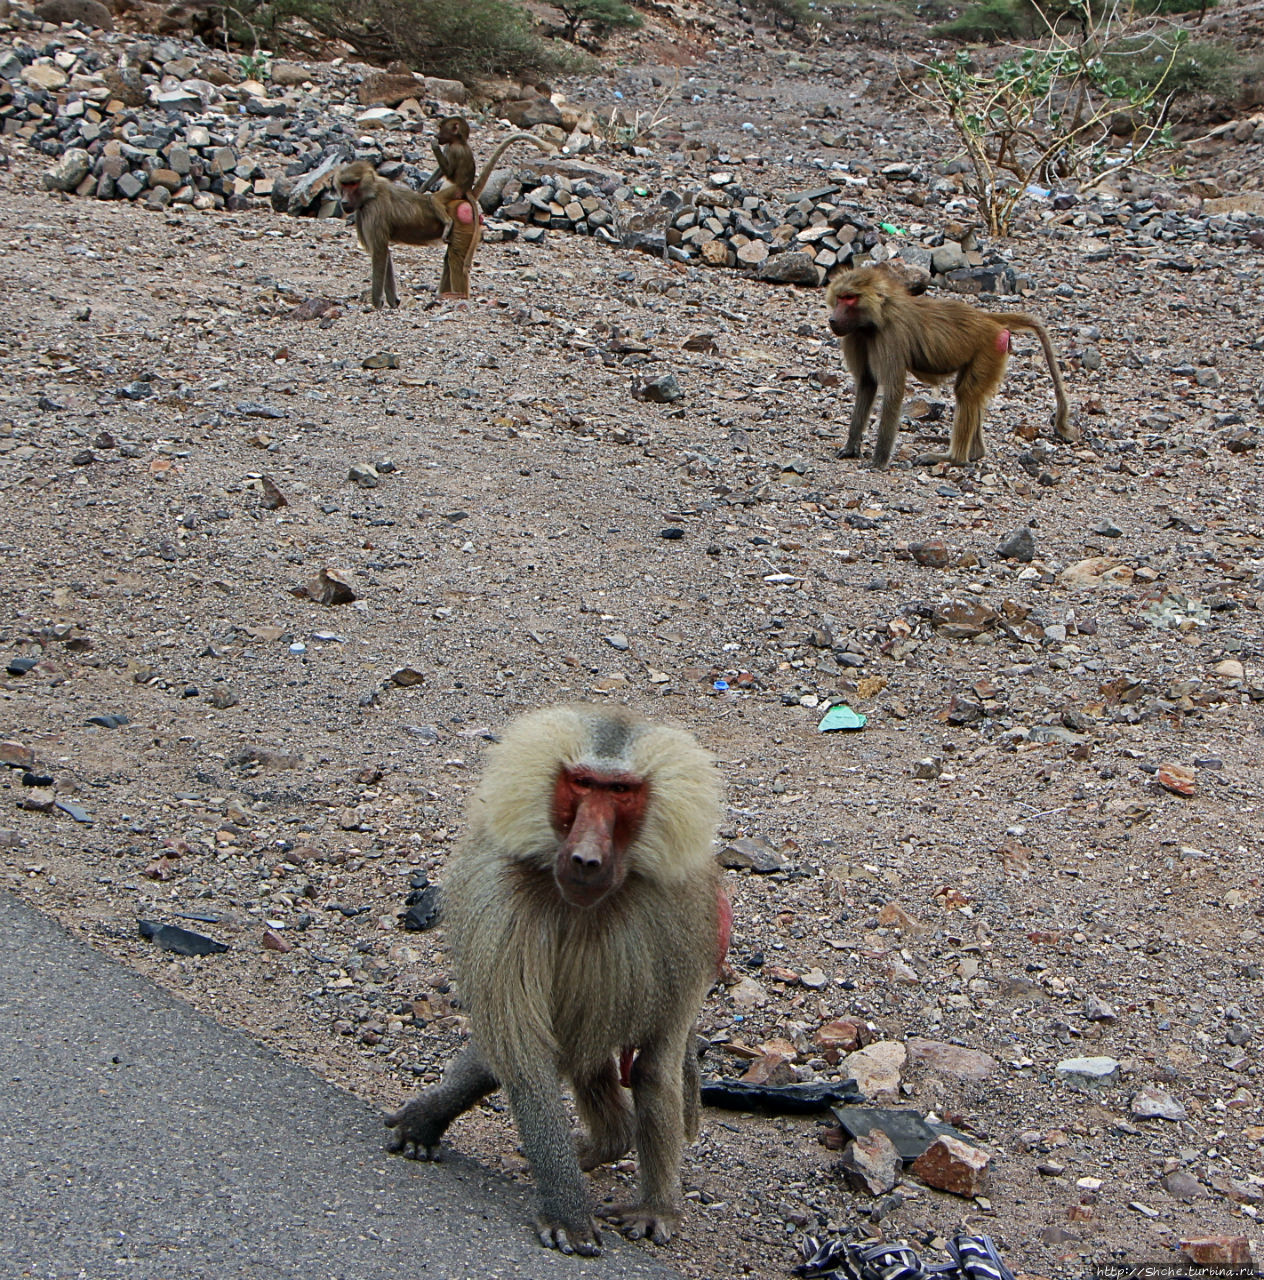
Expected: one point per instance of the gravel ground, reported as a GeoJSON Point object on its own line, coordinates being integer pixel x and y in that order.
{"type": "Point", "coordinates": [1044, 890]}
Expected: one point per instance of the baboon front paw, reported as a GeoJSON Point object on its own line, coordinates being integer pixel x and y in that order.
{"type": "Point", "coordinates": [579, 1237]}
{"type": "Point", "coordinates": [416, 1127]}
{"type": "Point", "coordinates": [640, 1222]}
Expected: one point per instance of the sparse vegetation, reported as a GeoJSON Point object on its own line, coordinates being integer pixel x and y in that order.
{"type": "Point", "coordinates": [989, 21]}
{"type": "Point", "coordinates": [1046, 113]}
{"type": "Point", "coordinates": [1197, 66]}
{"type": "Point", "coordinates": [599, 16]}
{"type": "Point", "coordinates": [460, 39]}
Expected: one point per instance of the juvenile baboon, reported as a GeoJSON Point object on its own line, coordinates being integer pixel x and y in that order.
{"type": "Point", "coordinates": [888, 333]}
{"type": "Point", "coordinates": [452, 152]}
{"type": "Point", "coordinates": [587, 919]}
{"type": "Point", "coordinates": [385, 211]}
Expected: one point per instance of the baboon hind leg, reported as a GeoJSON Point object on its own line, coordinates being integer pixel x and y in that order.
{"type": "Point", "coordinates": [458, 261]}
{"type": "Point", "coordinates": [610, 1126]}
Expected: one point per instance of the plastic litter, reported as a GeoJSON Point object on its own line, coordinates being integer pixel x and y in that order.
{"type": "Point", "coordinates": [842, 716]}
{"type": "Point", "coordinates": [184, 942]}
{"type": "Point", "coordinates": [851, 1257]}
{"type": "Point", "coordinates": [780, 1099]}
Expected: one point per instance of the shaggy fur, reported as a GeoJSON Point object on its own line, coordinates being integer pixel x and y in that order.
{"type": "Point", "coordinates": [556, 991]}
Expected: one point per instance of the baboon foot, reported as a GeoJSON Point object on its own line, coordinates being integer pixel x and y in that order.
{"type": "Point", "coordinates": [579, 1237]}
{"type": "Point", "coordinates": [640, 1222]}
{"type": "Point", "coordinates": [606, 1149]}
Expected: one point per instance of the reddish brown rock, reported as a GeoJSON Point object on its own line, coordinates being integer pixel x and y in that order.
{"type": "Point", "coordinates": [16, 754]}
{"type": "Point", "coordinates": [771, 1069]}
{"type": "Point", "coordinates": [1218, 1251]}
{"type": "Point", "coordinates": [389, 89]}
{"type": "Point", "coordinates": [949, 1164]}
{"type": "Point", "coordinates": [845, 1035]}
{"type": "Point", "coordinates": [950, 1059]}
{"type": "Point", "coordinates": [933, 553]}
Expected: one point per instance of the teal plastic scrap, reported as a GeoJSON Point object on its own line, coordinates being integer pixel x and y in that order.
{"type": "Point", "coordinates": [842, 717]}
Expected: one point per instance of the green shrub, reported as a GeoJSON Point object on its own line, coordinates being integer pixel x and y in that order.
{"type": "Point", "coordinates": [988, 21]}
{"type": "Point", "coordinates": [1198, 66]}
{"type": "Point", "coordinates": [456, 39]}
{"type": "Point", "coordinates": [600, 16]}
{"type": "Point", "coordinates": [994, 20]}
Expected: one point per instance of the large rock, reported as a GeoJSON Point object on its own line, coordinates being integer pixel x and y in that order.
{"type": "Point", "coordinates": [1088, 1073]}
{"type": "Point", "coordinates": [307, 189]}
{"type": "Point", "coordinates": [1243, 202]}
{"type": "Point", "coordinates": [389, 89]}
{"type": "Point", "coordinates": [949, 1164]}
{"type": "Point", "coordinates": [445, 90]}
{"type": "Point", "coordinates": [90, 12]}
{"type": "Point", "coordinates": [529, 112]}
{"type": "Point", "coordinates": [288, 74]}
{"type": "Point", "coordinates": [69, 171]}
{"type": "Point", "coordinates": [127, 85]}
{"type": "Point", "coordinates": [871, 1163]}
{"type": "Point", "coordinates": [44, 75]}
{"type": "Point", "coordinates": [950, 1059]}
{"type": "Point", "coordinates": [876, 1069]}
{"type": "Point", "coordinates": [795, 267]}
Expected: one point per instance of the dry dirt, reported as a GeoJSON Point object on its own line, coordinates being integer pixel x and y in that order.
{"type": "Point", "coordinates": [1040, 872]}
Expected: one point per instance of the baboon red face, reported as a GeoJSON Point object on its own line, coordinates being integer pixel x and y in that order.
{"type": "Point", "coordinates": [596, 816]}
{"type": "Point", "coordinates": [845, 316]}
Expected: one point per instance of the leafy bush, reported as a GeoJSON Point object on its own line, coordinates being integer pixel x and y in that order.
{"type": "Point", "coordinates": [993, 20]}
{"type": "Point", "coordinates": [989, 21]}
{"type": "Point", "coordinates": [457, 39]}
{"type": "Point", "coordinates": [1198, 66]}
{"type": "Point", "coordinates": [600, 16]}
{"type": "Point", "coordinates": [1046, 113]}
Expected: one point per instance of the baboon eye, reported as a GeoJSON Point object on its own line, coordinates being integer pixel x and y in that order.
{"type": "Point", "coordinates": [620, 788]}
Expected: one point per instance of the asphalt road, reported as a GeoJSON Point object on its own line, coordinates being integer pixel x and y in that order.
{"type": "Point", "coordinates": [139, 1139]}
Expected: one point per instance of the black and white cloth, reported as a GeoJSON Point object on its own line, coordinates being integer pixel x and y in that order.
{"type": "Point", "coordinates": [849, 1258]}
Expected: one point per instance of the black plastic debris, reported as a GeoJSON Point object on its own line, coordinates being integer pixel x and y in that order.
{"type": "Point", "coordinates": [170, 937]}
{"type": "Point", "coordinates": [423, 908]}
{"type": "Point", "coordinates": [780, 1099]}
{"type": "Point", "coordinates": [909, 1132]}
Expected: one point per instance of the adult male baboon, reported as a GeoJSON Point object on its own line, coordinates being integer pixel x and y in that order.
{"type": "Point", "coordinates": [385, 212]}
{"type": "Point", "coordinates": [888, 333]}
{"type": "Point", "coordinates": [586, 913]}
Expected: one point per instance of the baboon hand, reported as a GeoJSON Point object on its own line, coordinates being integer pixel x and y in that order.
{"type": "Point", "coordinates": [641, 1222]}
{"type": "Point", "coordinates": [567, 1235]}
{"type": "Point", "coordinates": [416, 1125]}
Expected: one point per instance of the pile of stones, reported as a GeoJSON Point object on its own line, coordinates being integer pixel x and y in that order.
{"type": "Point", "coordinates": [172, 122]}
